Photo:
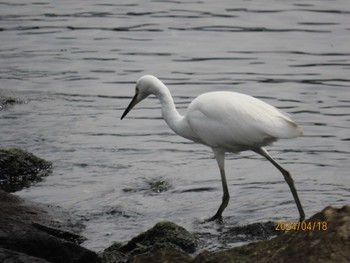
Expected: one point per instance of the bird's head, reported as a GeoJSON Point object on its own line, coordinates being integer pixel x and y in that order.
{"type": "Point", "coordinates": [145, 86]}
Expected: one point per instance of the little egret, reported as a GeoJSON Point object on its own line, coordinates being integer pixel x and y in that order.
{"type": "Point", "coordinates": [226, 122]}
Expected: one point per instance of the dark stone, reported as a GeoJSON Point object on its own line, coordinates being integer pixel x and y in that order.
{"type": "Point", "coordinates": [10, 256]}
{"type": "Point", "coordinates": [112, 254]}
{"type": "Point", "coordinates": [17, 214]}
{"type": "Point", "coordinates": [31, 232]}
{"type": "Point", "coordinates": [19, 168]}
{"type": "Point", "coordinates": [42, 245]}
{"type": "Point", "coordinates": [65, 235]}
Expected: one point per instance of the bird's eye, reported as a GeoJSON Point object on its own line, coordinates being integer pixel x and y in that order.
{"type": "Point", "coordinates": [137, 90]}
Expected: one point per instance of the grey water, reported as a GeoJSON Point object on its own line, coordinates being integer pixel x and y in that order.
{"type": "Point", "coordinates": [75, 64]}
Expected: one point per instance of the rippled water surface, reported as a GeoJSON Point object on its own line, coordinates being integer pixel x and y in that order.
{"type": "Point", "coordinates": [76, 63]}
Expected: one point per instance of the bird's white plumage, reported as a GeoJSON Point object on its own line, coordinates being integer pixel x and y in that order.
{"type": "Point", "coordinates": [237, 122]}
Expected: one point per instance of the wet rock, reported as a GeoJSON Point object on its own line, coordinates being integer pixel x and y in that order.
{"type": "Point", "coordinates": [253, 231]}
{"type": "Point", "coordinates": [325, 237]}
{"type": "Point", "coordinates": [19, 168]}
{"type": "Point", "coordinates": [227, 236]}
{"type": "Point", "coordinates": [164, 234]}
{"type": "Point", "coordinates": [35, 233]}
{"type": "Point", "coordinates": [163, 255]}
{"type": "Point", "coordinates": [17, 214]}
{"type": "Point", "coordinates": [164, 240]}
{"type": "Point", "coordinates": [42, 245]}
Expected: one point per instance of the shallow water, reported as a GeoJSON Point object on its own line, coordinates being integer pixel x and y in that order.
{"type": "Point", "coordinates": [76, 63]}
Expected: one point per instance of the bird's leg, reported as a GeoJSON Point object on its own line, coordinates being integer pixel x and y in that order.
{"type": "Point", "coordinates": [287, 177]}
{"type": "Point", "coordinates": [220, 158]}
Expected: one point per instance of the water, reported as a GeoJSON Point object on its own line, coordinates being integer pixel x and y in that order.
{"type": "Point", "coordinates": [76, 63]}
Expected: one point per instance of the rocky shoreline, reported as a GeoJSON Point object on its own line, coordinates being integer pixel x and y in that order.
{"type": "Point", "coordinates": [31, 232]}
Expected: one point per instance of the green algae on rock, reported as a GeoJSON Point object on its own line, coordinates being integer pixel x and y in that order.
{"type": "Point", "coordinates": [19, 168]}
{"type": "Point", "coordinates": [164, 236]}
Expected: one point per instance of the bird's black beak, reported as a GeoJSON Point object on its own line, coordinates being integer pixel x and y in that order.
{"type": "Point", "coordinates": [133, 102]}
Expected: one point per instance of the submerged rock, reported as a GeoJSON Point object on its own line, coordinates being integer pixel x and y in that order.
{"type": "Point", "coordinates": [251, 232]}
{"type": "Point", "coordinates": [6, 101]}
{"type": "Point", "coordinates": [19, 168]}
{"type": "Point", "coordinates": [35, 233]}
{"type": "Point", "coordinates": [164, 240]}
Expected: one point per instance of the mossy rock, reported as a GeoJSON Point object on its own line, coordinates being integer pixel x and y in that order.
{"type": "Point", "coordinates": [163, 237]}
{"type": "Point", "coordinates": [163, 234]}
{"type": "Point", "coordinates": [19, 168]}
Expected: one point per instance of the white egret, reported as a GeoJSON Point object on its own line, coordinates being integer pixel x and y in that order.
{"type": "Point", "coordinates": [226, 122]}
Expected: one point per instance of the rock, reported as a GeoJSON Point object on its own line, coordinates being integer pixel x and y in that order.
{"type": "Point", "coordinates": [325, 237]}
{"type": "Point", "coordinates": [42, 245]}
{"type": "Point", "coordinates": [34, 233]}
{"type": "Point", "coordinates": [163, 240]}
{"type": "Point", "coordinates": [163, 255]}
{"type": "Point", "coordinates": [251, 232]}
{"type": "Point", "coordinates": [19, 214]}
{"type": "Point", "coordinates": [9, 256]}
{"type": "Point", "coordinates": [19, 168]}
{"type": "Point", "coordinates": [164, 234]}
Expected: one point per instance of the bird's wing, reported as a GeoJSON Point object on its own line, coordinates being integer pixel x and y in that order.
{"type": "Point", "coordinates": [236, 121]}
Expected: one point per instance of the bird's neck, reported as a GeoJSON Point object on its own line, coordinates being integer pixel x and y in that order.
{"type": "Point", "coordinates": [169, 111]}
{"type": "Point", "coordinates": [172, 117]}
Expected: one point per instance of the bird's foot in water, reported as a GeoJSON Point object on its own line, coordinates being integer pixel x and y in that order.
{"type": "Point", "coordinates": [217, 218]}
